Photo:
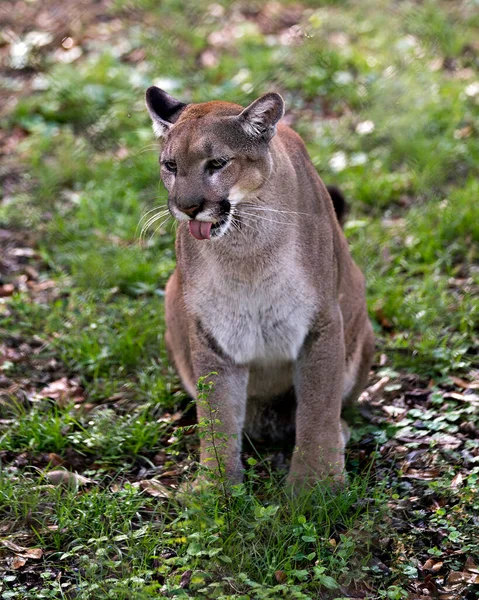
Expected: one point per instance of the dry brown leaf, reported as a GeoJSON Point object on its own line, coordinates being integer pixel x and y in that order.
{"type": "Point", "coordinates": [464, 132]}
{"type": "Point", "coordinates": [378, 386]}
{"type": "Point", "coordinates": [433, 565]}
{"type": "Point", "coordinates": [461, 577]}
{"type": "Point", "coordinates": [31, 272]}
{"type": "Point", "coordinates": [185, 579]}
{"type": "Point", "coordinates": [154, 488]}
{"type": "Point", "coordinates": [455, 396]}
{"type": "Point", "coordinates": [425, 475]}
{"type": "Point", "coordinates": [35, 553]}
{"type": "Point", "coordinates": [6, 290]}
{"type": "Point", "coordinates": [41, 286]}
{"type": "Point", "coordinates": [393, 411]}
{"type": "Point", "coordinates": [10, 354]}
{"type": "Point", "coordinates": [457, 480]}
{"type": "Point", "coordinates": [11, 546]}
{"type": "Point", "coordinates": [171, 418]}
{"type": "Point", "coordinates": [17, 562]}
{"type": "Point", "coordinates": [427, 566]}
{"type": "Point", "coordinates": [173, 473]}
{"type": "Point", "coordinates": [60, 477]}
{"type": "Point", "coordinates": [280, 576]}
{"type": "Point", "coordinates": [447, 441]}
{"type": "Point", "coordinates": [55, 460]}
{"type": "Point", "coordinates": [382, 319]}
{"type": "Point", "coordinates": [467, 385]}
{"type": "Point", "coordinates": [424, 440]}
{"type": "Point", "coordinates": [471, 566]}
{"type": "Point", "coordinates": [23, 252]}
{"type": "Point", "coordinates": [62, 390]}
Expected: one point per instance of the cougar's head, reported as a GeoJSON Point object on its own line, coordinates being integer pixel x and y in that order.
{"type": "Point", "coordinates": [214, 154]}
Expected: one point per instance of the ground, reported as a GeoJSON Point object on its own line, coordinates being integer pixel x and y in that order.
{"type": "Point", "coordinates": [97, 439]}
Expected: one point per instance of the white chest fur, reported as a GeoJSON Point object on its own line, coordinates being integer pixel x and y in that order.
{"type": "Point", "coordinates": [266, 321]}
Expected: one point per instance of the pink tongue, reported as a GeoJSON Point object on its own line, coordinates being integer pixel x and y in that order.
{"type": "Point", "coordinates": [200, 229]}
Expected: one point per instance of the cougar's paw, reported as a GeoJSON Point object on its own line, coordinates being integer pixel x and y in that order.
{"type": "Point", "coordinates": [208, 481]}
{"type": "Point", "coordinates": [194, 487]}
{"type": "Point", "coordinates": [298, 483]}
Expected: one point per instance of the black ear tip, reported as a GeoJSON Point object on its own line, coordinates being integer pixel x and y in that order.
{"type": "Point", "coordinates": [277, 96]}
{"type": "Point", "coordinates": [153, 93]}
{"type": "Point", "coordinates": [162, 105]}
{"type": "Point", "coordinates": [150, 94]}
{"type": "Point", "coordinates": [277, 99]}
{"type": "Point", "coordinates": [272, 96]}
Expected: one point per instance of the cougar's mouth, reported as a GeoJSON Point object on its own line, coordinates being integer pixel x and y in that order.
{"type": "Point", "coordinates": [205, 230]}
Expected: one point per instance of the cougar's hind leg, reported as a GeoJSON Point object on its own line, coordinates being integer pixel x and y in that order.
{"type": "Point", "coordinates": [362, 370]}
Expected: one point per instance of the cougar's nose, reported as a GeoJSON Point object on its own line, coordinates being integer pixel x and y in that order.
{"type": "Point", "coordinates": [192, 209]}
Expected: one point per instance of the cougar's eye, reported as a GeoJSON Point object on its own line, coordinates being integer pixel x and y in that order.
{"type": "Point", "coordinates": [218, 163]}
{"type": "Point", "coordinates": [170, 165]}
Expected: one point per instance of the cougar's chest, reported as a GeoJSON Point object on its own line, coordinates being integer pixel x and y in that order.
{"type": "Point", "coordinates": [265, 321]}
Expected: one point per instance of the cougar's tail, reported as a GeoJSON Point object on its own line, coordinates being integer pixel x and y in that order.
{"type": "Point", "coordinates": [340, 205]}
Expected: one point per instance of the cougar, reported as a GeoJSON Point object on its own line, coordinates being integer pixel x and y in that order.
{"type": "Point", "coordinates": [265, 292]}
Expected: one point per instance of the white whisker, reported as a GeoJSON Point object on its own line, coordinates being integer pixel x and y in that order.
{"type": "Point", "coordinates": [152, 218]}
{"type": "Point", "coordinates": [261, 218]}
{"type": "Point", "coordinates": [250, 204]}
{"type": "Point", "coordinates": [155, 208]}
{"type": "Point", "coordinates": [147, 147]}
{"type": "Point", "coordinates": [250, 225]}
{"type": "Point", "coordinates": [159, 227]}
{"type": "Point", "coordinates": [151, 221]}
{"type": "Point", "coordinates": [161, 206]}
{"type": "Point", "coordinates": [274, 210]}
{"type": "Point", "coordinates": [236, 226]}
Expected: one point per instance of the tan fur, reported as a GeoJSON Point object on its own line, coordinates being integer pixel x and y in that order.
{"type": "Point", "coordinates": [275, 304]}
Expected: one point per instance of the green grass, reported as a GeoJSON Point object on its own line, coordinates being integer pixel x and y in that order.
{"type": "Point", "coordinates": [383, 95]}
{"type": "Point", "coordinates": [122, 543]}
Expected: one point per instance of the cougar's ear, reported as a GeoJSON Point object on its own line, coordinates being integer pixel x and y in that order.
{"type": "Point", "coordinates": [259, 118]}
{"type": "Point", "coordinates": [164, 109]}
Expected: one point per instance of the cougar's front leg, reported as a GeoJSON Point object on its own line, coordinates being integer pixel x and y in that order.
{"type": "Point", "coordinates": [319, 374]}
{"type": "Point", "coordinates": [223, 411]}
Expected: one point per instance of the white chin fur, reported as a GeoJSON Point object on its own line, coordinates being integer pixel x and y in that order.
{"type": "Point", "coordinates": [177, 214]}
{"type": "Point", "coordinates": [222, 229]}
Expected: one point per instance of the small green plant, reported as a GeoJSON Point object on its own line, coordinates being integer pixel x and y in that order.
{"type": "Point", "coordinates": [394, 592]}
{"type": "Point", "coordinates": [209, 430]}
